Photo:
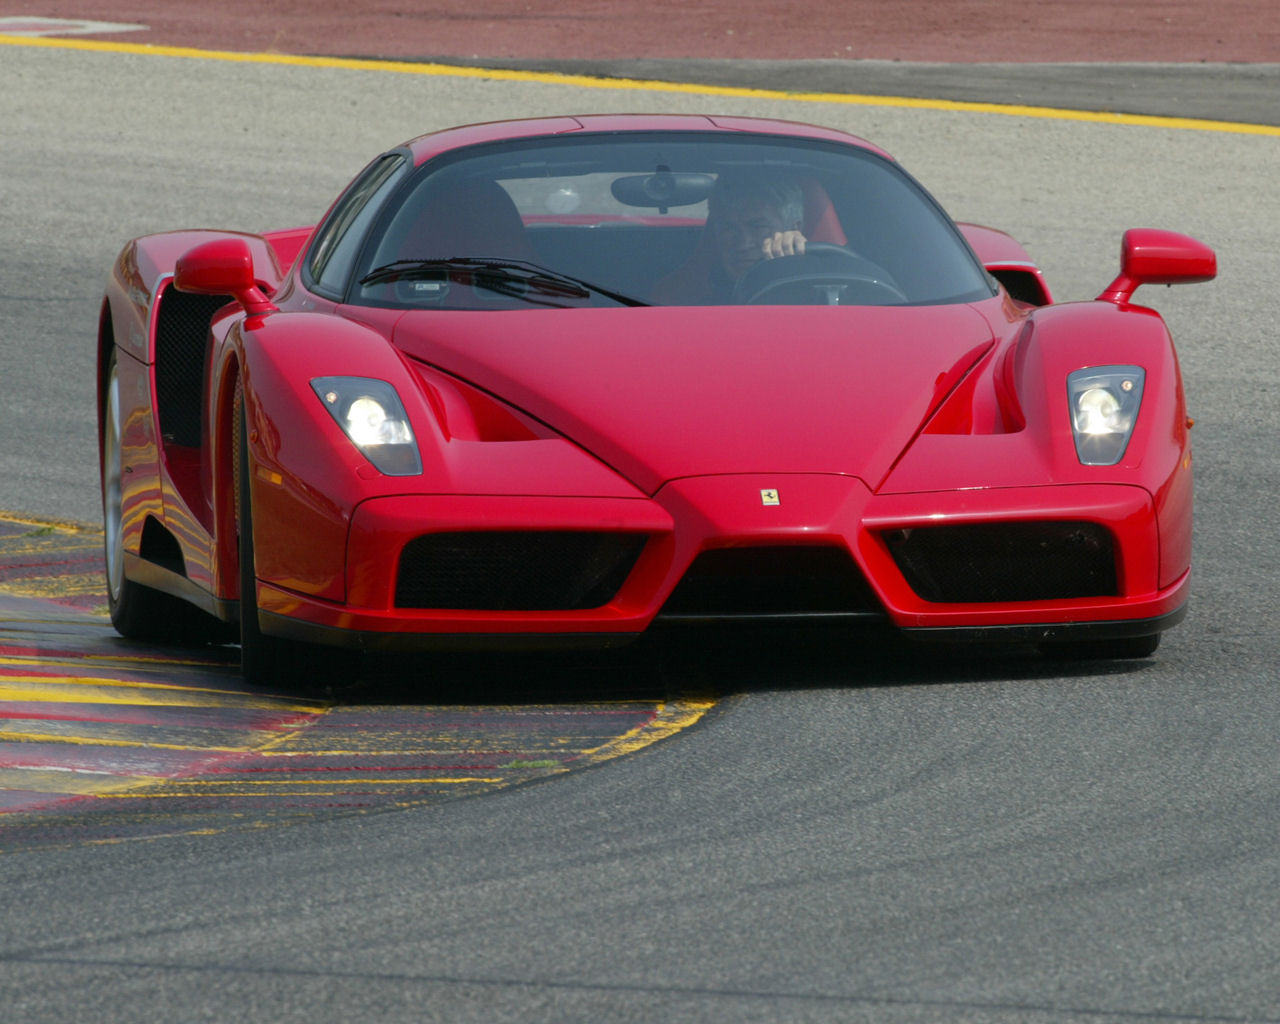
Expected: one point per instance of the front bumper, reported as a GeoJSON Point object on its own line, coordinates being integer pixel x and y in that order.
{"type": "Point", "coordinates": [691, 516]}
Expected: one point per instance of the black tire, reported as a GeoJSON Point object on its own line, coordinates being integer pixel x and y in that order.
{"type": "Point", "coordinates": [264, 659]}
{"type": "Point", "coordinates": [137, 612]}
{"type": "Point", "coordinates": [1118, 649]}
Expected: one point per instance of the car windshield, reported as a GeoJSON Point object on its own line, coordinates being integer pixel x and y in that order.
{"type": "Point", "coordinates": [662, 218]}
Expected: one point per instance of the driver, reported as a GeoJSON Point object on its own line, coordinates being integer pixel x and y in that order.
{"type": "Point", "coordinates": [751, 217]}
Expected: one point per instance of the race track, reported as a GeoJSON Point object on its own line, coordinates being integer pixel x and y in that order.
{"type": "Point", "coordinates": [851, 834]}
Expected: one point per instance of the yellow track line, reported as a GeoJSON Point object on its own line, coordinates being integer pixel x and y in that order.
{"type": "Point", "coordinates": [650, 85]}
{"type": "Point", "coordinates": [67, 782]}
{"type": "Point", "coordinates": [237, 697]}
{"type": "Point", "coordinates": [102, 691]}
{"type": "Point", "coordinates": [420, 752]}
{"type": "Point", "coordinates": [45, 523]}
{"type": "Point", "coordinates": [141, 661]}
{"type": "Point", "coordinates": [672, 717]}
{"type": "Point", "coordinates": [9, 736]}
{"type": "Point", "coordinates": [51, 588]}
{"type": "Point", "coordinates": [189, 788]}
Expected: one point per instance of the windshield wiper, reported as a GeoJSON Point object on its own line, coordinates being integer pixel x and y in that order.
{"type": "Point", "coordinates": [514, 278]}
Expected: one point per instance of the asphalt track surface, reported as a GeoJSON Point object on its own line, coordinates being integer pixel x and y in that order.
{"type": "Point", "coordinates": [853, 834]}
{"type": "Point", "coordinates": [1173, 59]}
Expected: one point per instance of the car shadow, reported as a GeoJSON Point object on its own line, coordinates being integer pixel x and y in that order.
{"type": "Point", "coordinates": [663, 665]}
{"type": "Point", "coordinates": [713, 663]}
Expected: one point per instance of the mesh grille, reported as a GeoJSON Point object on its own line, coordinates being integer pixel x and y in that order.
{"type": "Point", "coordinates": [771, 581]}
{"type": "Point", "coordinates": [182, 328]}
{"type": "Point", "coordinates": [1040, 561]}
{"type": "Point", "coordinates": [516, 571]}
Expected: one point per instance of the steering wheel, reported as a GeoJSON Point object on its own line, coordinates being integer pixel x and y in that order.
{"type": "Point", "coordinates": [824, 275]}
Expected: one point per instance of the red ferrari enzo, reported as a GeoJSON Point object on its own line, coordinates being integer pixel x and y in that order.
{"type": "Point", "coordinates": [555, 381]}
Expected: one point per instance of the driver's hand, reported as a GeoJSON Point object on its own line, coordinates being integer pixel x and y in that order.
{"type": "Point", "coordinates": [784, 243]}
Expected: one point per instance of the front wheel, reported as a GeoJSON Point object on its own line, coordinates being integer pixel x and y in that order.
{"type": "Point", "coordinates": [266, 660]}
{"type": "Point", "coordinates": [263, 658]}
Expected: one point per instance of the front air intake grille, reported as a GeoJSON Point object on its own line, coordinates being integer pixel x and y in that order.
{"type": "Point", "coordinates": [1036, 561]}
{"type": "Point", "coordinates": [515, 570]}
{"type": "Point", "coordinates": [771, 582]}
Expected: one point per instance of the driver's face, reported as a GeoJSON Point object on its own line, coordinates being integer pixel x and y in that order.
{"type": "Point", "coordinates": [740, 233]}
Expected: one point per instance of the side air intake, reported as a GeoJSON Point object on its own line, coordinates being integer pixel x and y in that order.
{"type": "Point", "coordinates": [182, 329]}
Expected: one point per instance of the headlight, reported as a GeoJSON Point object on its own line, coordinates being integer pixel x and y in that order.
{"type": "Point", "coordinates": [1104, 407]}
{"type": "Point", "coordinates": [370, 413]}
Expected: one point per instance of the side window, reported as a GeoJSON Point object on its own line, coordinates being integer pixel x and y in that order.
{"type": "Point", "coordinates": [338, 242]}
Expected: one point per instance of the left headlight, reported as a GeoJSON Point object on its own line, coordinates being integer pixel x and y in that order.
{"type": "Point", "coordinates": [371, 414]}
{"type": "Point", "coordinates": [1104, 408]}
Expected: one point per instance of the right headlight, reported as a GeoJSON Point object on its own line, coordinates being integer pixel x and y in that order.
{"type": "Point", "coordinates": [1104, 403]}
{"type": "Point", "coordinates": [371, 414]}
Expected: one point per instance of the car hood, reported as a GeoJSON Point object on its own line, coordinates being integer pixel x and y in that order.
{"type": "Point", "coordinates": [660, 393]}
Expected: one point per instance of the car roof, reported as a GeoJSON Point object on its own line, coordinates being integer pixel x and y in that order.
{"type": "Point", "coordinates": [424, 147]}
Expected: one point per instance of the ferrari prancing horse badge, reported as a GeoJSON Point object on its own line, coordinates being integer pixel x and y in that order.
{"type": "Point", "coordinates": [769, 497]}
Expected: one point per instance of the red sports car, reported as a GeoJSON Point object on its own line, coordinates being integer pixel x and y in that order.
{"type": "Point", "coordinates": [551, 382]}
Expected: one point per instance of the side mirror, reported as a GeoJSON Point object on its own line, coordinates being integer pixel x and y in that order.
{"type": "Point", "coordinates": [222, 267]}
{"type": "Point", "coordinates": [1152, 256]}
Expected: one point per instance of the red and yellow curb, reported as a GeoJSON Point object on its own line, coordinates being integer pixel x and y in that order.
{"type": "Point", "coordinates": [103, 740]}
